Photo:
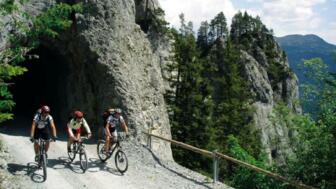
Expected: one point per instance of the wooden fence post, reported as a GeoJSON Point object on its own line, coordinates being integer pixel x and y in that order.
{"type": "Point", "coordinates": [215, 167]}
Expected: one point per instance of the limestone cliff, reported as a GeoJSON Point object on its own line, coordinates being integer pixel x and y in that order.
{"type": "Point", "coordinates": [268, 92]}
{"type": "Point", "coordinates": [106, 60]}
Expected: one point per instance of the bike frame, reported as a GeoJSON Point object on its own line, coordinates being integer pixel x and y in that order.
{"type": "Point", "coordinates": [79, 144]}
{"type": "Point", "coordinates": [41, 142]}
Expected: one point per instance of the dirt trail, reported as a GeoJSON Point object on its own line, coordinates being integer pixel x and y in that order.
{"type": "Point", "coordinates": [143, 172]}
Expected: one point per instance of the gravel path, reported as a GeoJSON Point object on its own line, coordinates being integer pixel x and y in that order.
{"type": "Point", "coordinates": [144, 171]}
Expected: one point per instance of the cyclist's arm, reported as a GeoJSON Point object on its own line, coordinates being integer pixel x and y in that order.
{"type": "Point", "coordinates": [32, 131]}
{"type": "Point", "coordinates": [70, 131]}
{"type": "Point", "coordinates": [53, 128]}
{"type": "Point", "coordinates": [107, 129]}
{"type": "Point", "coordinates": [86, 126]}
{"type": "Point", "coordinates": [124, 127]}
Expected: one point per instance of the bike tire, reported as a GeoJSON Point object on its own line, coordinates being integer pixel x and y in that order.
{"type": "Point", "coordinates": [44, 166]}
{"type": "Point", "coordinates": [100, 151]}
{"type": "Point", "coordinates": [83, 160]}
{"type": "Point", "coordinates": [72, 154]}
{"type": "Point", "coordinates": [121, 161]}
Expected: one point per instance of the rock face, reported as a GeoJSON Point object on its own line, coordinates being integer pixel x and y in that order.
{"type": "Point", "coordinates": [109, 61]}
{"type": "Point", "coordinates": [274, 137]}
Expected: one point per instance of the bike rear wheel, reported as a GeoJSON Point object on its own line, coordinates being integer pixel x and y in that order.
{"type": "Point", "coordinates": [101, 151]}
{"type": "Point", "coordinates": [121, 161]}
{"type": "Point", "coordinates": [72, 152]}
{"type": "Point", "coordinates": [44, 166]}
{"type": "Point", "coordinates": [83, 160]}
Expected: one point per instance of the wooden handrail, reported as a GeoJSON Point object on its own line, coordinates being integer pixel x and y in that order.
{"type": "Point", "coordinates": [216, 154]}
{"type": "Point", "coordinates": [268, 173]}
{"type": "Point", "coordinates": [183, 145]}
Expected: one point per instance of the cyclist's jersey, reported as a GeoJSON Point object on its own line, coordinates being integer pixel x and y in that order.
{"type": "Point", "coordinates": [73, 124]}
{"type": "Point", "coordinates": [43, 122]}
{"type": "Point", "coordinates": [115, 122]}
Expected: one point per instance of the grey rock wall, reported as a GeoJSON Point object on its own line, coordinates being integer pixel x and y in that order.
{"type": "Point", "coordinates": [275, 137]}
{"type": "Point", "coordinates": [111, 62]}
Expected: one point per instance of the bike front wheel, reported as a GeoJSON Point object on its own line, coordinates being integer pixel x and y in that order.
{"type": "Point", "coordinates": [83, 160]}
{"type": "Point", "coordinates": [44, 166]}
{"type": "Point", "coordinates": [72, 152]}
{"type": "Point", "coordinates": [121, 161]}
{"type": "Point", "coordinates": [101, 151]}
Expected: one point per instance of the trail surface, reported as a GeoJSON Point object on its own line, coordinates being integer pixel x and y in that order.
{"type": "Point", "coordinates": [144, 170]}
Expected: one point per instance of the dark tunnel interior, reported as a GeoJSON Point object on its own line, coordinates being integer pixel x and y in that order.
{"type": "Point", "coordinates": [43, 84]}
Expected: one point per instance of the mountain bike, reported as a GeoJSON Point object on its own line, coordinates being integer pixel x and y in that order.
{"type": "Point", "coordinates": [120, 158]}
{"type": "Point", "coordinates": [77, 147]}
{"type": "Point", "coordinates": [42, 157]}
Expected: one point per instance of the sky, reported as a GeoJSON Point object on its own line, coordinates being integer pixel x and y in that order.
{"type": "Point", "coordinates": [283, 16]}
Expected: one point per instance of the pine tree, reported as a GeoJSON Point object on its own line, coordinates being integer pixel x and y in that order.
{"type": "Point", "coordinates": [191, 102]}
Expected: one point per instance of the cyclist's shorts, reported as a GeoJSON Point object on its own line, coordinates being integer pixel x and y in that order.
{"type": "Point", "coordinates": [113, 131]}
{"type": "Point", "coordinates": [42, 133]}
{"type": "Point", "coordinates": [75, 131]}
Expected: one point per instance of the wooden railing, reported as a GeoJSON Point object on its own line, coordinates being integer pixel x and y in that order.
{"type": "Point", "coordinates": [216, 156]}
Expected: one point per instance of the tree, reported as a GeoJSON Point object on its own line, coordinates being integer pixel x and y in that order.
{"type": "Point", "coordinates": [190, 103]}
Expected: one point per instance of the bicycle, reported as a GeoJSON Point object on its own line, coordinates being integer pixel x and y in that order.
{"type": "Point", "coordinates": [42, 157]}
{"type": "Point", "coordinates": [77, 147]}
{"type": "Point", "coordinates": [120, 158]}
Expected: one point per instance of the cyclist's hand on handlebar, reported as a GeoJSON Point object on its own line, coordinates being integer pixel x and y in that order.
{"type": "Point", "coordinates": [89, 136]}
{"type": "Point", "coordinates": [31, 139]}
{"type": "Point", "coordinates": [54, 138]}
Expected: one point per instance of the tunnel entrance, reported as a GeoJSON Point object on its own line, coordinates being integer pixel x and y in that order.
{"type": "Point", "coordinates": [43, 84]}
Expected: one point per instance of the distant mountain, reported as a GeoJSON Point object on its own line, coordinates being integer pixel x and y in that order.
{"type": "Point", "coordinates": [298, 47]}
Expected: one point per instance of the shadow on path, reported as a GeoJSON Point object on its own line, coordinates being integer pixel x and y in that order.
{"type": "Point", "coordinates": [204, 184]}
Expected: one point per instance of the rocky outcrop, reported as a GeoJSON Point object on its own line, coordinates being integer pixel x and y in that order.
{"type": "Point", "coordinates": [267, 94]}
{"type": "Point", "coordinates": [108, 60]}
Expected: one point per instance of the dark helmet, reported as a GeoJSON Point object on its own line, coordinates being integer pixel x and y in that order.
{"type": "Point", "coordinates": [78, 114]}
{"type": "Point", "coordinates": [45, 109]}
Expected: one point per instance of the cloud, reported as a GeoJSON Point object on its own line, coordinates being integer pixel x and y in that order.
{"type": "Point", "coordinates": [289, 14]}
{"type": "Point", "coordinates": [196, 10]}
{"type": "Point", "coordinates": [283, 16]}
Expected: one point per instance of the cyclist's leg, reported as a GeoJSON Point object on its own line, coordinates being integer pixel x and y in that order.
{"type": "Point", "coordinates": [114, 135]}
{"type": "Point", "coordinates": [77, 133]}
{"type": "Point", "coordinates": [107, 140]}
{"type": "Point", "coordinates": [37, 135]}
{"type": "Point", "coordinates": [46, 136]}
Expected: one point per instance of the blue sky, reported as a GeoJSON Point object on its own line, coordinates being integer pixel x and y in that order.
{"type": "Point", "coordinates": [283, 16]}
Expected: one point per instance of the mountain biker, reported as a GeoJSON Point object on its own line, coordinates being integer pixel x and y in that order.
{"type": "Point", "coordinates": [74, 128]}
{"type": "Point", "coordinates": [40, 129]}
{"type": "Point", "coordinates": [113, 121]}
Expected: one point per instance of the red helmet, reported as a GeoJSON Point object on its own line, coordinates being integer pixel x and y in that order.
{"type": "Point", "coordinates": [45, 109]}
{"type": "Point", "coordinates": [78, 114]}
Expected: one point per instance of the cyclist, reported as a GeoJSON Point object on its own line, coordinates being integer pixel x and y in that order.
{"type": "Point", "coordinates": [74, 128]}
{"type": "Point", "coordinates": [40, 129]}
{"type": "Point", "coordinates": [113, 121]}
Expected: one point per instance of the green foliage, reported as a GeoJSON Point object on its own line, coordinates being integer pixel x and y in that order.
{"type": "Point", "coordinates": [190, 101]}
{"type": "Point", "coordinates": [210, 99]}
{"type": "Point", "coordinates": [251, 35]}
{"type": "Point", "coordinates": [23, 39]}
{"type": "Point", "coordinates": [53, 20]}
{"type": "Point", "coordinates": [245, 178]}
{"type": "Point", "coordinates": [321, 87]}
{"type": "Point", "coordinates": [313, 141]}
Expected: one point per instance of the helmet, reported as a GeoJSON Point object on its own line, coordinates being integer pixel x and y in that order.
{"type": "Point", "coordinates": [117, 110]}
{"type": "Point", "coordinates": [45, 109]}
{"type": "Point", "coordinates": [78, 114]}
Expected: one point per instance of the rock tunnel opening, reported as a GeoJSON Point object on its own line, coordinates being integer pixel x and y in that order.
{"type": "Point", "coordinates": [43, 84]}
